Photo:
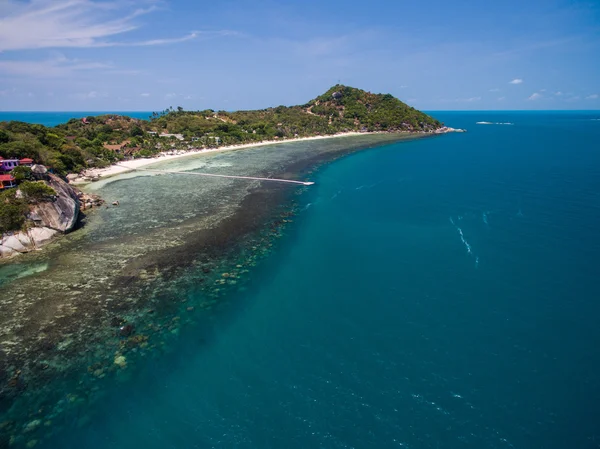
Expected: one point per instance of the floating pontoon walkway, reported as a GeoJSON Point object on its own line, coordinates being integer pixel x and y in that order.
{"type": "Point", "coordinates": [304, 183]}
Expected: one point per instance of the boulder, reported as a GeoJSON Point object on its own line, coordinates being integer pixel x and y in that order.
{"type": "Point", "coordinates": [62, 213]}
{"type": "Point", "coordinates": [126, 330]}
{"type": "Point", "coordinates": [25, 241]}
{"type": "Point", "coordinates": [6, 252]}
{"type": "Point", "coordinates": [41, 235]}
{"type": "Point", "coordinates": [14, 242]}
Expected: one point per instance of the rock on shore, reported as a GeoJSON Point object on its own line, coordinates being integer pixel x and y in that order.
{"type": "Point", "coordinates": [50, 218]}
{"type": "Point", "coordinates": [62, 213]}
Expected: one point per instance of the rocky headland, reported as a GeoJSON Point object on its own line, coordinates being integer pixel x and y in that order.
{"type": "Point", "coordinates": [47, 219]}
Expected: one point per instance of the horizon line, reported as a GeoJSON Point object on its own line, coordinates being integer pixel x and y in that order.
{"type": "Point", "coordinates": [194, 110]}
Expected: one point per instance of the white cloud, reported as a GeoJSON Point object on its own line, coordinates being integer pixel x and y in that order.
{"type": "Point", "coordinates": [558, 94]}
{"type": "Point", "coordinates": [188, 97]}
{"type": "Point", "coordinates": [516, 81]}
{"type": "Point", "coordinates": [5, 92]}
{"type": "Point", "coordinates": [592, 97]}
{"type": "Point", "coordinates": [35, 24]}
{"type": "Point", "coordinates": [495, 89]}
{"type": "Point", "coordinates": [501, 98]}
{"type": "Point", "coordinates": [144, 95]}
{"type": "Point", "coordinates": [92, 94]}
{"type": "Point", "coordinates": [457, 100]}
{"type": "Point", "coordinates": [535, 96]}
{"type": "Point", "coordinates": [403, 87]}
{"type": "Point", "coordinates": [176, 40]}
{"type": "Point", "coordinates": [58, 66]}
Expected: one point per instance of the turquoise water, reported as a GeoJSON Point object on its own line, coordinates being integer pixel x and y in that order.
{"type": "Point", "coordinates": [57, 117]}
{"type": "Point", "coordinates": [440, 293]}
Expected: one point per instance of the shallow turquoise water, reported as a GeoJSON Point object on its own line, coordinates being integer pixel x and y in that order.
{"type": "Point", "coordinates": [434, 294]}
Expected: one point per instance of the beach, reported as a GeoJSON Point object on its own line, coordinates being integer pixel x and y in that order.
{"type": "Point", "coordinates": [133, 164]}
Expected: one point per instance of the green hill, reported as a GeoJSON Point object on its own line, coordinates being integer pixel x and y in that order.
{"type": "Point", "coordinates": [93, 142]}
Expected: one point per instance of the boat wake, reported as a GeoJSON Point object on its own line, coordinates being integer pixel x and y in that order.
{"type": "Point", "coordinates": [465, 242]}
{"type": "Point", "coordinates": [494, 123]}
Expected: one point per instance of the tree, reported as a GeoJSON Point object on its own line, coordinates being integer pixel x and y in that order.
{"type": "Point", "coordinates": [22, 173]}
{"type": "Point", "coordinates": [19, 149]}
{"type": "Point", "coordinates": [136, 131]}
{"type": "Point", "coordinates": [36, 191]}
{"type": "Point", "coordinates": [4, 137]}
{"type": "Point", "coordinates": [12, 211]}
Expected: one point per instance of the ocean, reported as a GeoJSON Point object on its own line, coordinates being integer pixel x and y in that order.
{"type": "Point", "coordinates": [53, 118]}
{"type": "Point", "coordinates": [438, 293]}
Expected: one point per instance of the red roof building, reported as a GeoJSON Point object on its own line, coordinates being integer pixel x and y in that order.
{"type": "Point", "coordinates": [26, 161]}
{"type": "Point", "coordinates": [7, 181]}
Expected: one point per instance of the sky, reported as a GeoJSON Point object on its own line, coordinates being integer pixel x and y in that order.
{"type": "Point", "coordinates": [147, 55]}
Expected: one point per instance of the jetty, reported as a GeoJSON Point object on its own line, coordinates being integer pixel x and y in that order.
{"type": "Point", "coordinates": [214, 175]}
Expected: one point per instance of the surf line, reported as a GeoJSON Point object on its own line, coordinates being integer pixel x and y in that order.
{"type": "Point", "coordinates": [289, 181]}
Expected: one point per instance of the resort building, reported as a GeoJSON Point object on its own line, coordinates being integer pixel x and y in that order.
{"type": "Point", "coordinates": [7, 181]}
{"type": "Point", "coordinates": [177, 136]}
{"type": "Point", "coordinates": [26, 161]}
{"type": "Point", "coordinates": [118, 147]}
{"type": "Point", "coordinates": [7, 165]}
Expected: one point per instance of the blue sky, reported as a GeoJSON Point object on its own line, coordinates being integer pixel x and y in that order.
{"type": "Point", "coordinates": [226, 54]}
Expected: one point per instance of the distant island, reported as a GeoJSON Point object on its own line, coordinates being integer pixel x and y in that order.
{"type": "Point", "coordinates": [95, 142]}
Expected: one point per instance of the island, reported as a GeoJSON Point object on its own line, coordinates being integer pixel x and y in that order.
{"type": "Point", "coordinates": [80, 150]}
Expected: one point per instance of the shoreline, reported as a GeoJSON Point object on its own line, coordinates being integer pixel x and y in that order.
{"type": "Point", "coordinates": [133, 164]}
{"type": "Point", "coordinates": [93, 174]}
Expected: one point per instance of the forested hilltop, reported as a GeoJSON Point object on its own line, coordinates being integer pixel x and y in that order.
{"type": "Point", "coordinates": [99, 141]}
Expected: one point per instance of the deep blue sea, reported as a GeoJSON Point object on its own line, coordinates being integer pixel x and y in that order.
{"type": "Point", "coordinates": [440, 293]}
{"type": "Point", "coordinates": [58, 117]}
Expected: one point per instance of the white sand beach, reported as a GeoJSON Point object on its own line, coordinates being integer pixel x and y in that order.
{"type": "Point", "coordinates": [133, 164]}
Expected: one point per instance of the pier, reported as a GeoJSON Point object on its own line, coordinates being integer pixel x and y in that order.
{"type": "Point", "coordinates": [253, 178]}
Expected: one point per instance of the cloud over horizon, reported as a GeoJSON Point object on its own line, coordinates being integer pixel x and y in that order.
{"type": "Point", "coordinates": [516, 81]}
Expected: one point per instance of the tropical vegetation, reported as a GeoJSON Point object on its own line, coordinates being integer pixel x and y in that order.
{"type": "Point", "coordinates": [99, 141]}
